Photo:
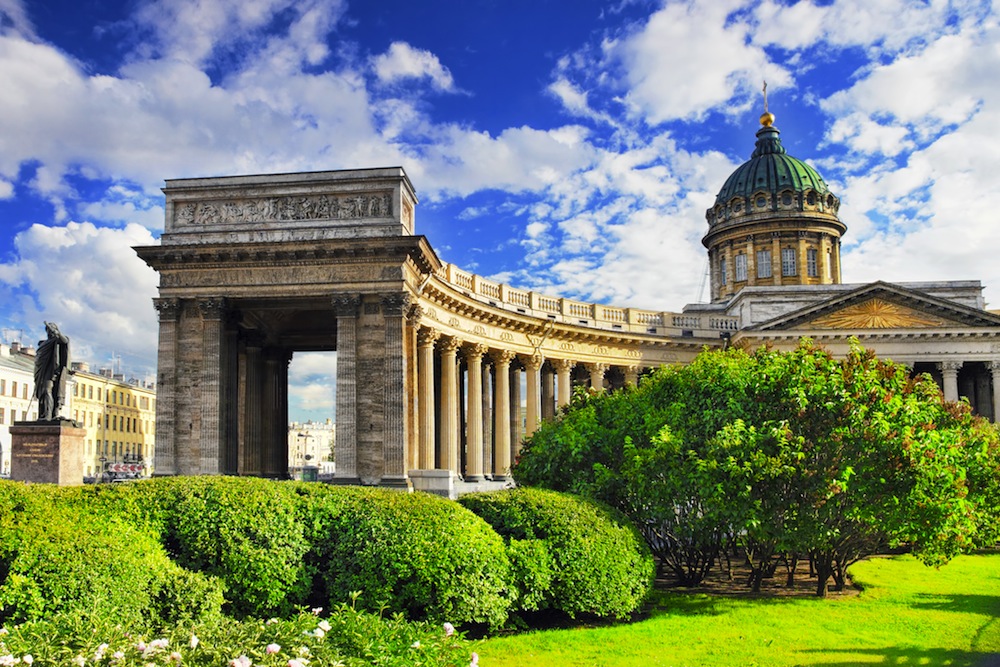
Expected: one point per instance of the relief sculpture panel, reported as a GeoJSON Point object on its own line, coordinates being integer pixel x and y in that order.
{"type": "Point", "coordinates": [277, 209]}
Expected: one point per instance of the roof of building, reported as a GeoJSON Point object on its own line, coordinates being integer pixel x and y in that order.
{"type": "Point", "coordinates": [771, 169]}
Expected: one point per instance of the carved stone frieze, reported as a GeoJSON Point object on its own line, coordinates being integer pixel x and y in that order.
{"type": "Point", "coordinates": [278, 209]}
{"type": "Point", "coordinates": [168, 308]}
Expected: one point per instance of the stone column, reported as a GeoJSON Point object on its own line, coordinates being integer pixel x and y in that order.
{"type": "Point", "coordinates": [597, 371]}
{"type": "Point", "coordinates": [516, 423]}
{"type": "Point", "coordinates": [802, 268]}
{"type": "Point", "coordinates": [632, 376]}
{"type": "Point", "coordinates": [274, 413]}
{"type": "Point", "coordinates": [212, 407]}
{"type": "Point", "coordinates": [776, 257]}
{"type": "Point", "coordinates": [252, 454]}
{"type": "Point", "coordinates": [474, 415]}
{"type": "Point", "coordinates": [995, 372]}
{"type": "Point", "coordinates": [164, 461]}
{"type": "Point", "coordinates": [231, 392]}
{"type": "Point", "coordinates": [835, 260]}
{"type": "Point", "coordinates": [425, 395]}
{"type": "Point", "coordinates": [501, 430]}
{"type": "Point", "coordinates": [449, 454]}
{"type": "Point", "coordinates": [548, 393]}
{"type": "Point", "coordinates": [394, 308]}
{"type": "Point", "coordinates": [823, 259]}
{"type": "Point", "coordinates": [750, 250]}
{"type": "Point", "coordinates": [346, 444]}
{"type": "Point", "coordinates": [563, 368]}
{"type": "Point", "coordinates": [949, 376]}
{"type": "Point", "coordinates": [532, 366]}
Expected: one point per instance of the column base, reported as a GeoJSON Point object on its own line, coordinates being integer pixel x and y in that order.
{"type": "Point", "coordinates": [401, 482]}
{"type": "Point", "coordinates": [438, 482]}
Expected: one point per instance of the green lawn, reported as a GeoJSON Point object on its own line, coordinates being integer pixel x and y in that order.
{"type": "Point", "coordinates": [908, 614]}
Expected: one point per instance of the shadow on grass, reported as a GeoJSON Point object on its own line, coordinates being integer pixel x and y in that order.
{"type": "Point", "coordinates": [702, 604]}
{"type": "Point", "coordinates": [902, 656]}
{"type": "Point", "coordinates": [968, 604]}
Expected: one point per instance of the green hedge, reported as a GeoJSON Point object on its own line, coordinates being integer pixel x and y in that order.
{"type": "Point", "coordinates": [59, 560]}
{"type": "Point", "coordinates": [414, 553]}
{"type": "Point", "coordinates": [568, 553]}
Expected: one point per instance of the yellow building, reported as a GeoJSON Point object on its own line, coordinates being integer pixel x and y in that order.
{"type": "Point", "coordinates": [120, 418]}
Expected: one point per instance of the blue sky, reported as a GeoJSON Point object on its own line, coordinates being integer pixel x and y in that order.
{"type": "Point", "coordinates": [566, 147]}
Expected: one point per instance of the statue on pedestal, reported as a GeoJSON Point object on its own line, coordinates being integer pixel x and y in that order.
{"type": "Point", "coordinates": [51, 372]}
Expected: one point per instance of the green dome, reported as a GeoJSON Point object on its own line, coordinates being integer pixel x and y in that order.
{"type": "Point", "coordinates": [770, 169]}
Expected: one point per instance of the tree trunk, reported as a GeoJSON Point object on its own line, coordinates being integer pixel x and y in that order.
{"type": "Point", "coordinates": [824, 567]}
{"type": "Point", "coordinates": [792, 563]}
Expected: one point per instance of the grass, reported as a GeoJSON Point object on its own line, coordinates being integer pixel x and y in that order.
{"type": "Point", "coordinates": [907, 614]}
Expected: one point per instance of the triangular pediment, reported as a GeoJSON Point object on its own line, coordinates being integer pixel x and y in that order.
{"type": "Point", "coordinates": [882, 306]}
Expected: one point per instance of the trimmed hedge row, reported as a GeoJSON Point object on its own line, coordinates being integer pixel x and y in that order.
{"type": "Point", "coordinates": [567, 553]}
{"type": "Point", "coordinates": [164, 551]}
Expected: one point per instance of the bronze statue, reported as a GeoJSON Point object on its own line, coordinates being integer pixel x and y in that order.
{"type": "Point", "coordinates": [51, 372]}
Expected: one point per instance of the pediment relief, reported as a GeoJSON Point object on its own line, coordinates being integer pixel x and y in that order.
{"type": "Point", "coordinates": [878, 313]}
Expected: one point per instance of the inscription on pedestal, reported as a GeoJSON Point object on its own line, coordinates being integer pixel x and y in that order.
{"type": "Point", "coordinates": [47, 452]}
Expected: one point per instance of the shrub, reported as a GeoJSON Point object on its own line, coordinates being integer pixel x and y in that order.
{"type": "Point", "coordinates": [568, 553]}
{"type": "Point", "coordinates": [417, 554]}
{"type": "Point", "coordinates": [244, 531]}
{"type": "Point", "coordinates": [65, 560]}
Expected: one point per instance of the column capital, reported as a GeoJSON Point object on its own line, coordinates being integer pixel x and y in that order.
{"type": "Point", "coordinates": [449, 344]}
{"type": "Point", "coordinates": [475, 351]}
{"type": "Point", "coordinates": [212, 308]}
{"type": "Point", "coordinates": [413, 315]}
{"type": "Point", "coordinates": [596, 366]}
{"type": "Point", "coordinates": [502, 357]}
{"type": "Point", "coordinates": [563, 365]}
{"type": "Point", "coordinates": [395, 304]}
{"type": "Point", "coordinates": [169, 308]}
{"type": "Point", "coordinates": [534, 362]}
{"type": "Point", "coordinates": [995, 365]}
{"type": "Point", "coordinates": [949, 366]}
{"type": "Point", "coordinates": [346, 305]}
{"type": "Point", "coordinates": [426, 337]}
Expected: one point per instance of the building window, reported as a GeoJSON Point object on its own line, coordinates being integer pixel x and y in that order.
{"type": "Point", "coordinates": [722, 271]}
{"type": "Point", "coordinates": [90, 392]}
{"type": "Point", "coordinates": [788, 262]}
{"type": "Point", "coordinates": [741, 267]}
{"type": "Point", "coordinates": [24, 390]}
{"type": "Point", "coordinates": [2, 416]}
{"type": "Point", "coordinates": [3, 387]}
{"type": "Point", "coordinates": [13, 389]}
{"type": "Point", "coordinates": [763, 263]}
{"type": "Point", "coordinates": [811, 269]}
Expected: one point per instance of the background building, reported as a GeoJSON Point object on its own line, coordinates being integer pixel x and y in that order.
{"type": "Point", "coordinates": [17, 389]}
{"type": "Point", "coordinates": [311, 445]}
{"type": "Point", "coordinates": [120, 418]}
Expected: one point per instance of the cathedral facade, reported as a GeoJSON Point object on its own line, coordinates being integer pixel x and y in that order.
{"type": "Point", "coordinates": [441, 373]}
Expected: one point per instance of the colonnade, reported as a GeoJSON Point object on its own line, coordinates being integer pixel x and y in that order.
{"type": "Point", "coordinates": [470, 418]}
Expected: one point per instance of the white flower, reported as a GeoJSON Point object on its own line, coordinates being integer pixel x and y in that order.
{"type": "Point", "coordinates": [475, 660]}
{"type": "Point", "coordinates": [304, 651]}
{"type": "Point", "coordinates": [99, 653]}
{"type": "Point", "coordinates": [27, 659]}
{"type": "Point", "coordinates": [415, 644]}
{"type": "Point", "coordinates": [271, 621]}
{"type": "Point", "coordinates": [4, 631]}
{"type": "Point", "coordinates": [241, 661]}
{"type": "Point", "coordinates": [449, 629]}
{"type": "Point", "coordinates": [324, 626]}
{"type": "Point", "coordinates": [175, 657]}
{"type": "Point", "coordinates": [117, 655]}
{"type": "Point", "coordinates": [271, 649]}
{"type": "Point", "coordinates": [297, 662]}
{"type": "Point", "coordinates": [80, 661]}
{"type": "Point", "coordinates": [318, 633]}
{"type": "Point", "coordinates": [317, 611]}
{"type": "Point", "coordinates": [194, 641]}
{"type": "Point", "coordinates": [8, 660]}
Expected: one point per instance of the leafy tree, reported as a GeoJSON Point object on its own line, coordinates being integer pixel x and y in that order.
{"type": "Point", "coordinates": [789, 453]}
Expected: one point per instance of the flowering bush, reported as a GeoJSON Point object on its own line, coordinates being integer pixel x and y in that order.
{"type": "Point", "coordinates": [352, 638]}
{"type": "Point", "coordinates": [568, 553]}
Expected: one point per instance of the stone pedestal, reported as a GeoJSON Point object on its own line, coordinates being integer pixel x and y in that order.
{"type": "Point", "coordinates": [47, 452]}
{"type": "Point", "coordinates": [438, 482]}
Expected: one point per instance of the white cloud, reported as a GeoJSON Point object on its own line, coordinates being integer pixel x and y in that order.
{"type": "Point", "coordinates": [403, 61]}
{"type": "Point", "coordinates": [694, 56]}
{"type": "Point", "coordinates": [90, 281]}
{"type": "Point", "coordinates": [14, 18]}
